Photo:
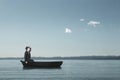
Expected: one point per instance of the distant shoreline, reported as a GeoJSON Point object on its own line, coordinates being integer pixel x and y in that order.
{"type": "Point", "coordinates": [68, 58]}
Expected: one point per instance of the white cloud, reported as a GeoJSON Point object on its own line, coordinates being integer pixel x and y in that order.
{"type": "Point", "coordinates": [82, 20]}
{"type": "Point", "coordinates": [93, 23]}
{"type": "Point", "coordinates": [67, 30]}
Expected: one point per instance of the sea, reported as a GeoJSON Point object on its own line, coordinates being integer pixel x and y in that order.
{"type": "Point", "coordinates": [70, 70]}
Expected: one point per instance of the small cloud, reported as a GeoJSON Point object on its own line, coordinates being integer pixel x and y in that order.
{"type": "Point", "coordinates": [93, 23]}
{"type": "Point", "coordinates": [67, 30]}
{"type": "Point", "coordinates": [82, 20]}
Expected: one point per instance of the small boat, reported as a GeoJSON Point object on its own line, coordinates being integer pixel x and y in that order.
{"type": "Point", "coordinates": [42, 64]}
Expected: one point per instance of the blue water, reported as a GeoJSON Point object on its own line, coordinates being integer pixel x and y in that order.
{"type": "Point", "coordinates": [71, 70]}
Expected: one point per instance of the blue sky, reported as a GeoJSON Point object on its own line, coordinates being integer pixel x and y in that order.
{"type": "Point", "coordinates": [59, 27]}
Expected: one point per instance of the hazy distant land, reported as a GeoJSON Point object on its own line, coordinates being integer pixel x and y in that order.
{"type": "Point", "coordinates": [70, 58]}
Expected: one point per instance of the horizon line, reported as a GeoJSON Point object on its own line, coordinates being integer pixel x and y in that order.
{"type": "Point", "coordinates": [65, 56]}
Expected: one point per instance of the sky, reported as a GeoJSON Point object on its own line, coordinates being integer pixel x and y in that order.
{"type": "Point", "coordinates": [59, 27]}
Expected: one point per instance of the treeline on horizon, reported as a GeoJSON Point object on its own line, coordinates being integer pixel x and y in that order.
{"type": "Point", "coordinates": [72, 58]}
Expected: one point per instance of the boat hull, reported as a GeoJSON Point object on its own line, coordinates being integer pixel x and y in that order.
{"type": "Point", "coordinates": [52, 64]}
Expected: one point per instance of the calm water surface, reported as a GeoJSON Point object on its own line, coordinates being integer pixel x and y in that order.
{"type": "Point", "coordinates": [71, 70]}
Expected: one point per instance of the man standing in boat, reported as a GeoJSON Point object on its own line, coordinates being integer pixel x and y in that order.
{"type": "Point", "coordinates": [27, 55]}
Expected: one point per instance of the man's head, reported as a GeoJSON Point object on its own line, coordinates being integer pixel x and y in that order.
{"type": "Point", "coordinates": [28, 49]}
